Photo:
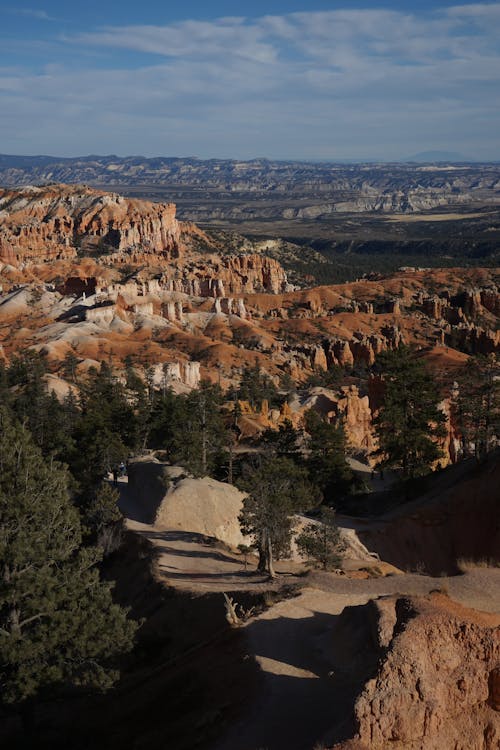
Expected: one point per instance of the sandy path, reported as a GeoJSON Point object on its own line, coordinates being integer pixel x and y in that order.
{"type": "Point", "coordinates": [299, 698]}
{"type": "Point", "coordinates": [186, 561]}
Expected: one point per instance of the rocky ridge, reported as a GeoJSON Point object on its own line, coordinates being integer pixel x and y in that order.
{"type": "Point", "coordinates": [51, 223]}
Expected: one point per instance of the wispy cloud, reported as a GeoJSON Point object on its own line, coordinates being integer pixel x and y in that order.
{"type": "Point", "coordinates": [312, 84]}
{"type": "Point", "coordinates": [40, 15]}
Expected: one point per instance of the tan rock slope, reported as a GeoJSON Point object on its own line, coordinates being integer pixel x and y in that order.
{"type": "Point", "coordinates": [171, 500]}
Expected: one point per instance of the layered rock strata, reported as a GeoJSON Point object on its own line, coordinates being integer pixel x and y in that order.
{"type": "Point", "coordinates": [47, 223]}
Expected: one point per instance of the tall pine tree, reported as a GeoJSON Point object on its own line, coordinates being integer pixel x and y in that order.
{"type": "Point", "coordinates": [410, 422]}
{"type": "Point", "coordinates": [58, 623]}
{"type": "Point", "coordinates": [277, 488]}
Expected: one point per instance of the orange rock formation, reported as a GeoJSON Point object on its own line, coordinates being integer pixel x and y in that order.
{"type": "Point", "coordinates": [437, 683]}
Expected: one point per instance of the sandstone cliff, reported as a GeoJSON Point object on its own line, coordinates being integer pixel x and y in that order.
{"type": "Point", "coordinates": [46, 223]}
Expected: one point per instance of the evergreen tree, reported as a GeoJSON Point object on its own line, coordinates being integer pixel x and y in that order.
{"type": "Point", "coordinates": [477, 404]}
{"type": "Point", "coordinates": [105, 432]}
{"type": "Point", "coordinates": [283, 442]}
{"type": "Point", "coordinates": [38, 409]}
{"type": "Point", "coordinates": [5, 395]}
{"type": "Point", "coordinates": [104, 518]}
{"type": "Point", "coordinates": [191, 428]}
{"type": "Point", "coordinates": [326, 462]}
{"type": "Point", "coordinates": [58, 623]}
{"type": "Point", "coordinates": [277, 488]}
{"type": "Point", "coordinates": [330, 378]}
{"type": "Point", "coordinates": [200, 447]}
{"type": "Point", "coordinates": [409, 422]}
{"type": "Point", "coordinates": [256, 386]}
{"type": "Point", "coordinates": [141, 398]}
{"type": "Point", "coordinates": [321, 542]}
{"type": "Point", "coordinates": [168, 415]}
{"type": "Point", "coordinates": [69, 365]}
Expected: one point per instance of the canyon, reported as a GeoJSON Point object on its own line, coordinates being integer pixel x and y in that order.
{"type": "Point", "coordinates": [94, 276]}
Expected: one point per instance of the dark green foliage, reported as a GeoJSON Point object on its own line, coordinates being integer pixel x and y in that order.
{"type": "Point", "coordinates": [202, 447]}
{"type": "Point", "coordinates": [26, 367]}
{"type": "Point", "coordinates": [106, 431]}
{"type": "Point", "coordinates": [191, 428]}
{"type": "Point", "coordinates": [409, 422]}
{"type": "Point", "coordinates": [69, 366]}
{"type": "Point", "coordinates": [277, 488]}
{"type": "Point", "coordinates": [167, 416]}
{"type": "Point", "coordinates": [283, 442]}
{"type": "Point", "coordinates": [321, 542]}
{"type": "Point", "coordinates": [38, 409]}
{"type": "Point", "coordinates": [58, 624]}
{"type": "Point", "coordinates": [256, 386]}
{"type": "Point", "coordinates": [326, 462]}
{"type": "Point", "coordinates": [477, 404]}
{"type": "Point", "coordinates": [140, 396]}
{"type": "Point", "coordinates": [330, 378]}
{"type": "Point", "coordinates": [5, 394]}
{"type": "Point", "coordinates": [104, 519]}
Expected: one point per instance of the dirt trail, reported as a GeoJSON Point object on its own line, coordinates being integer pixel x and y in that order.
{"type": "Point", "coordinates": [300, 700]}
{"type": "Point", "coordinates": [188, 561]}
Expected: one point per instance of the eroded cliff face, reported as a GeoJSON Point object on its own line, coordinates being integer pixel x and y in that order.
{"type": "Point", "coordinates": [48, 223]}
{"type": "Point", "coordinates": [222, 277]}
{"type": "Point", "coordinates": [437, 683]}
{"type": "Point", "coordinates": [345, 404]}
{"type": "Point", "coordinates": [458, 518]}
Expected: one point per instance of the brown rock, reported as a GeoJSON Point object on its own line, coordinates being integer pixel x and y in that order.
{"type": "Point", "coordinates": [494, 688]}
{"type": "Point", "coordinates": [434, 687]}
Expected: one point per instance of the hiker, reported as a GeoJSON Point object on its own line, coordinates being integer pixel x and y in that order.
{"type": "Point", "coordinates": [123, 469]}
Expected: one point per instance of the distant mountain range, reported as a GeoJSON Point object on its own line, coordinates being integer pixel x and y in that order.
{"type": "Point", "coordinates": [228, 189]}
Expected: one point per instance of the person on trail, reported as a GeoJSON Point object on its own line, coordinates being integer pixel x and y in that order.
{"type": "Point", "coordinates": [123, 469]}
{"type": "Point", "coordinates": [115, 476]}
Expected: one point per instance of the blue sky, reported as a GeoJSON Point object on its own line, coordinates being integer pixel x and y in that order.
{"type": "Point", "coordinates": [282, 79]}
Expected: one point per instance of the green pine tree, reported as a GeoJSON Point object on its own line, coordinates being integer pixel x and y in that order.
{"type": "Point", "coordinates": [327, 464]}
{"type": "Point", "coordinates": [284, 442]}
{"type": "Point", "coordinates": [410, 422]}
{"type": "Point", "coordinates": [321, 542]}
{"type": "Point", "coordinates": [58, 622]}
{"type": "Point", "coordinates": [477, 405]}
{"type": "Point", "coordinates": [277, 488]}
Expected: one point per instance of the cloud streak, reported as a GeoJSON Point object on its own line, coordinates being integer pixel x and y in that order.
{"type": "Point", "coordinates": [39, 15]}
{"type": "Point", "coordinates": [331, 84]}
